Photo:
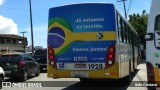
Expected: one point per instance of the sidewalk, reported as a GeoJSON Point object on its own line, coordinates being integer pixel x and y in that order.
{"type": "Point", "coordinates": [141, 77]}
{"type": "Point", "coordinates": [142, 73]}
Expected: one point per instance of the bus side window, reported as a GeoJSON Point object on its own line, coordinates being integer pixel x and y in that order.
{"type": "Point", "coordinates": [125, 38]}
{"type": "Point", "coordinates": [119, 27]}
{"type": "Point", "coordinates": [129, 35]}
{"type": "Point", "coordinates": [135, 40]}
{"type": "Point", "coordinates": [122, 29]}
{"type": "Point", "coordinates": [126, 33]}
{"type": "Point", "coordinates": [132, 39]}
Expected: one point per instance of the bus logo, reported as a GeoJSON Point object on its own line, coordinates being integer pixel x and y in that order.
{"type": "Point", "coordinates": [100, 35]}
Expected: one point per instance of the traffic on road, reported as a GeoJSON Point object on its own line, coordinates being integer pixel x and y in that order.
{"type": "Point", "coordinates": [42, 82]}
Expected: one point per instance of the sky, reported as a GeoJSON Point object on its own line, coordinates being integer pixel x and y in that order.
{"type": "Point", "coordinates": [15, 15]}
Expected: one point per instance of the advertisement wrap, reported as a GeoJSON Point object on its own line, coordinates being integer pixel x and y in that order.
{"type": "Point", "coordinates": [81, 34]}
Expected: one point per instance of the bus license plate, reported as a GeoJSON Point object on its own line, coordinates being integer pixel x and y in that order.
{"type": "Point", "coordinates": [95, 66]}
{"type": "Point", "coordinates": [79, 74]}
{"type": "Point", "coordinates": [81, 66]}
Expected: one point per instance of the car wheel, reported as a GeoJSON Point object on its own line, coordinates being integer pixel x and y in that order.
{"type": "Point", "coordinates": [25, 76]}
{"type": "Point", "coordinates": [1, 80]}
{"type": "Point", "coordinates": [38, 72]}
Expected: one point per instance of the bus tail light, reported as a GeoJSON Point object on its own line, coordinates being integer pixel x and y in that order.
{"type": "Point", "coordinates": [110, 59]}
{"type": "Point", "coordinates": [51, 56]}
{"type": "Point", "coordinates": [150, 73]}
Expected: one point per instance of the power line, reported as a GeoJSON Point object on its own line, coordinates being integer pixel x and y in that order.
{"type": "Point", "coordinates": [124, 7]}
{"type": "Point", "coordinates": [130, 5]}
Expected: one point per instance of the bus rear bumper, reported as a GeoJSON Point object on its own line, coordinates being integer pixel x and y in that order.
{"type": "Point", "coordinates": [109, 73]}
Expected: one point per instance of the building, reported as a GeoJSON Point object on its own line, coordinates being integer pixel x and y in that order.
{"type": "Point", "coordinates": [11, 42]}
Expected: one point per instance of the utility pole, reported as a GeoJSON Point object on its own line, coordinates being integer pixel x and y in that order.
{"type": "Point", "coordinates": [124, 7]}
{"type": "Point", "coordinates": [31, 27]}
{"type": "Point", "coordinates": [24, 41]}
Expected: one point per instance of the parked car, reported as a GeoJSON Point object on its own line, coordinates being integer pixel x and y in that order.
{"type": "Point", "coordinates": [19, 65]}
{"type": "Point", "coordinates": [30, 53]}
{"type": "Point", "coordinates": [2, 75]}
{"type": "Point", "coordinates": [40, 55]}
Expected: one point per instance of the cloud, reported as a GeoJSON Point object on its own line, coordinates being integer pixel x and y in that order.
{"type": "Point", "coordinates": [1, 2]}
{"type": "Point", "coordinates": [7, 26]}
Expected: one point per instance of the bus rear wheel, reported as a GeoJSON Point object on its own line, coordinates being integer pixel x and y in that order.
{"type": "Point", "coordinates": [84, 79]}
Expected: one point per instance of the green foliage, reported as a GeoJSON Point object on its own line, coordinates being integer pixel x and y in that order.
{"type": "Point", "coordinates": [139, 23]}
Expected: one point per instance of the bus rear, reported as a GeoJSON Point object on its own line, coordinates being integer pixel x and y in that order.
{"type": "Point", "coordinates": [82, 41]}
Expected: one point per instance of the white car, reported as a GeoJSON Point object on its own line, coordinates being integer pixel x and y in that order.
{"type": "Point", "coordinates": [2, 75]}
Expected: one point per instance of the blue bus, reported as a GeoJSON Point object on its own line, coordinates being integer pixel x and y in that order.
{"type": "Point", "coordinates": [90, 40]}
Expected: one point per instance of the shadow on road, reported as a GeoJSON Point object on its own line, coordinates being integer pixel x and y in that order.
{"type": "Point", "coordinates": [120, 84]}
{"type": "Point", "coordinates": [16, 79]}
{"type": "Point", "coordinates": [43, 71]}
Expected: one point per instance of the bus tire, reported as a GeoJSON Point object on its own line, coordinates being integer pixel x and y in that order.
{"type": "Point", "coordinates": [84, 79]}
{"type": "Point", "coordinates": [151, 88]}
{"type": "Point", "coordinates": [130, 76]}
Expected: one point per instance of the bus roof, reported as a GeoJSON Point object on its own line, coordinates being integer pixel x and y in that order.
{"type": "Point", "coordinates": [84, 3]}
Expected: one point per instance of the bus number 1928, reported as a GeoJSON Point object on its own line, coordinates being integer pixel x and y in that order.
{"type": "Point", "coordinates": [95, 66]}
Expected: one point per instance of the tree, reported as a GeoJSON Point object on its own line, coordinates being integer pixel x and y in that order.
{"type": "Point", "coordinates": [139, 23]}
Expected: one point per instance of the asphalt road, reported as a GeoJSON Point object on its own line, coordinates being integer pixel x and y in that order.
{"type": "Point", "coordinates": [139, 77]}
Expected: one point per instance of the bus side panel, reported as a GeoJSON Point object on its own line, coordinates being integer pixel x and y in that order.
{"type": "Point", "coordinates": [124, 56]}
{"type": "Point", "coordinates": [126, 51]}
{"type": "Point", "coordinates": [136, 57]}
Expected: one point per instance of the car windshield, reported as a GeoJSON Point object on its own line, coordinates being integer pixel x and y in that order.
{"type": "Point", "coordinates": [40, 52]}
{"type": "Point", "coordinates": [11, 57]}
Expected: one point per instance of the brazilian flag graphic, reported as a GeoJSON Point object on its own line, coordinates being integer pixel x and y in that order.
{"type": "Point", "coordinates": [59, 35]}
